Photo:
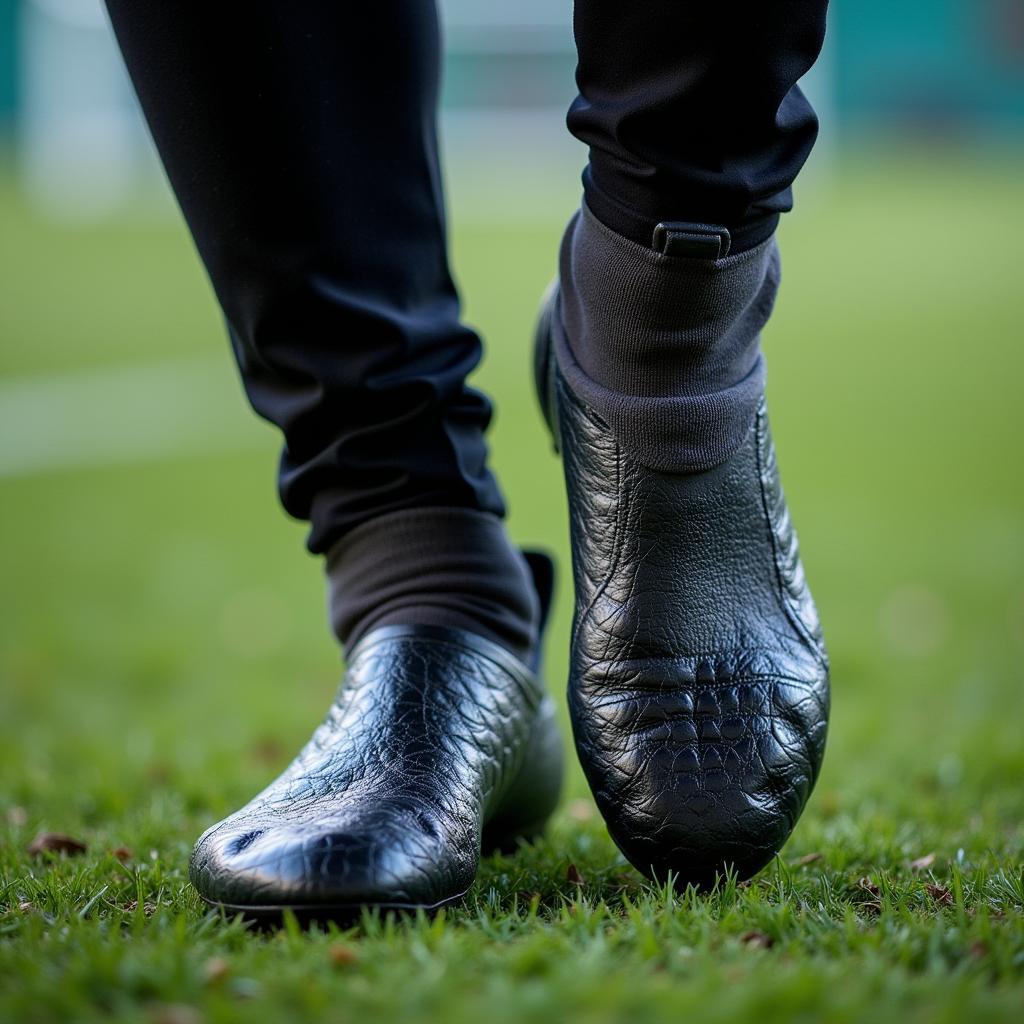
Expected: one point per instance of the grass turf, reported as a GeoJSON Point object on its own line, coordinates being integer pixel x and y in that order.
{"type": "Point", "coordinates": [163, 651]}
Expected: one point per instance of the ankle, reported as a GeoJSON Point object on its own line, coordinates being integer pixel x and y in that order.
{"type": "Point", "coordinates": [452, 567]}
{"type": "Point", "coordinates": [665, 349]}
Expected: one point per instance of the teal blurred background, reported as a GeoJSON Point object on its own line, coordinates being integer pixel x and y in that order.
{"type": "Point", "coordinates": [149, 579]}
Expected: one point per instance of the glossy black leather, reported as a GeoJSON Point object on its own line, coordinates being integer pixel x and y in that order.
{"type": "Point", "coordinates": [439, 744]}
{"type": "Point", "coordinates": [698, 683]}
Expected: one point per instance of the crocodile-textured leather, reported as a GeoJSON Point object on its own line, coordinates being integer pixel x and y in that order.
{"type": "Point", "coordinates": [438, 744]}
{"type": "Point", "coordinates": [698, 682]}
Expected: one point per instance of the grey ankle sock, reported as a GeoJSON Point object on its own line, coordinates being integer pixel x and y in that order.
{"type": "Point", "coordinates": [434, 566]}
{"type": "Point", "coordinates": [664, 349]}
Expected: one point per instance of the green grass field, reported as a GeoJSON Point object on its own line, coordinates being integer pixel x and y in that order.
{"type": "Point", "coordinates": [164, 651]}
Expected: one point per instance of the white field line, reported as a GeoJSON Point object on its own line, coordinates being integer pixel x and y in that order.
{"type": "Point", "coordinates": [123, 414]}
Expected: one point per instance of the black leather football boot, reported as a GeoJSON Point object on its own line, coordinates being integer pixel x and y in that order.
{"type": "Point", "coordinates": [698, 680]}
{"type": "Point", "coordinates": [439, 745]}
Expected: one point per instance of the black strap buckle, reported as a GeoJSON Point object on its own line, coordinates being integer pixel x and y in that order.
{"type": "Point", "coordinates": [696, 241]}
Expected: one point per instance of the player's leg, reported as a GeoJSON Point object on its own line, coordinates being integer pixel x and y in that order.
{"type": "Point", "coordinates": [300, 141]}
{"type": "Point", "coordinates": [699, 682]}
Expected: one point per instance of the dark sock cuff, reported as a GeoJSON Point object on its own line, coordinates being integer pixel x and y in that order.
{"type": "Point", "coordinates": [451, 567]}
{"type": "Point", "coordinates": [665, 349]}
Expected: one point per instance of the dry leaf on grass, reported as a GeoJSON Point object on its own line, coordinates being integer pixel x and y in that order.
{"type": "Point", "coordinates": [940, 894]}
{"type": "Point", "coordinates": [757, 939]}
{"type": "Point", "coordinates": [573, 875]}
{"type": "Point", "coordinates": [923, 863]}
{"type": "Point", "coordinates": [807, 858]}
{"type": "Point", "coordinates": [342, 955]}
{"type": "Point", "coordinates": [55, 842]}
{"type": "Point", "coordinates": [867, 885]}
{"type": "Point", "coordinates": [874, 905]}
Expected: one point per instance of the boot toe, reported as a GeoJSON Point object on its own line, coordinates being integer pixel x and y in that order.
{"type": "Point", "coordinates": [335, 864]}
{"type": "Point", "coordinates": [696, 781]}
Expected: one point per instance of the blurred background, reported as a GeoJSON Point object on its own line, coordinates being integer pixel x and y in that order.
{"type": "Point", "coordinates": [149, 579]}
